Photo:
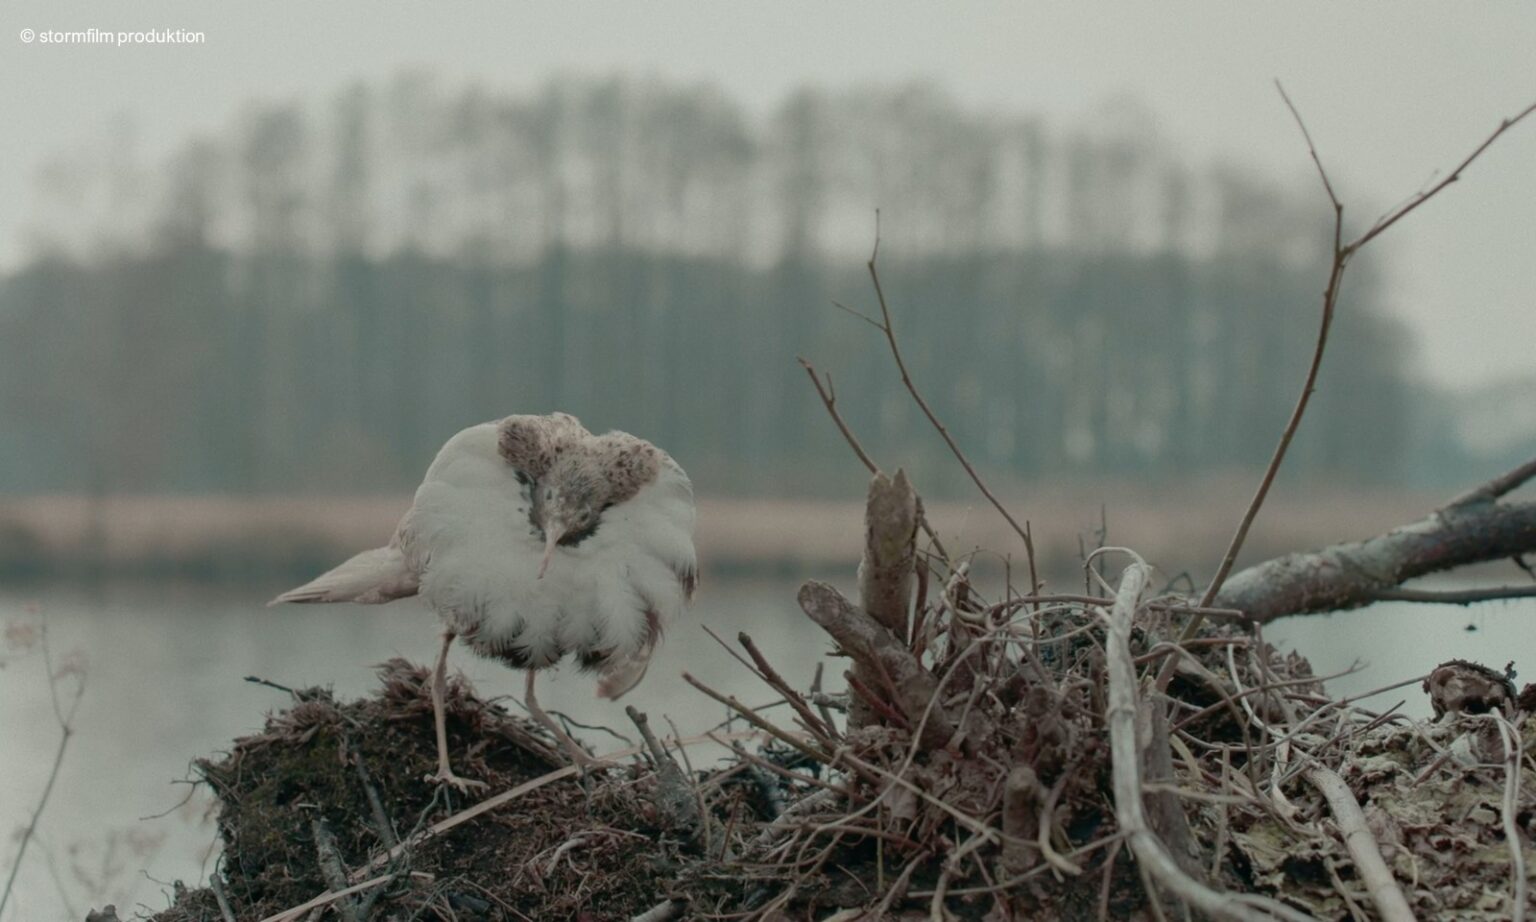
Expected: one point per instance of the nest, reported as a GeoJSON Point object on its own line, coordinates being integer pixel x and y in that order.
{"type": "Point", "coordinates": [858, 810]}
{"type": "Point", "coordinates": [1028, 756]}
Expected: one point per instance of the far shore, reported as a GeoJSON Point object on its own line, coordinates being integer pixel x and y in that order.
{"type": "Point", "coordinates": [1181, 529]}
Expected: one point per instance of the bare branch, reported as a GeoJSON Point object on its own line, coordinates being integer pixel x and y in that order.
{"type": "Point", "coordinates": [906, 380]}
{"type": "Point", "coordinates": [1456, 596]}
{"type": "Point", "coordinates": [1402, 211]}
{"type": "Point", "coordinates": [829, 400]}
{"type": "Point", "coordinates": [1330, 301]}
{"type": "Point", "coordinates": [1341, 256]}
{"type": "Point", "coordinates": [1311, 148]}
{"type": "Point", "coordinates": [1499, 486]}
{"type": "Point", "coordinates": [1355, 573]}
{"type": "Point", "coordinates": [877, 650]}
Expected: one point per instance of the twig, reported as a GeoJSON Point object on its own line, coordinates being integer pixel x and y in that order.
{"type": "Point", "coordinates": [664, 911]}
{"type": "Point", "coordinates": [66, 721]}
{"type": "Point", "coordinates": [1120, 716]}
{"type": "Point", "coordinates": [770, 675]}
{"type": "Point", "coordinates": [828, 397]}
{"type": "Point", "coordinates": [1398, 213]}
{"type": "Point", "coordinates": [331, 867]}
{"type": "Point", "coordinates": [1330, 301]}
{"type": "Point", "coordinates": [258, 680]}
{"type": "Point", "coordinates": [750, 717]}
{"type": "Point", "coordinates": [216, 883]}
{"type": "Point", "coordinates": [1342, 253]}
{"type": "Point", "coordinates": [381, 821]}
{"type": "Point", "coordinates": [906, 379]}
{"type": "Point", "coordinates": [1384, 891]}
{"type": "Point", "coordinates": [1456, 596]}
{"type": "Point", "coordinates": [1509, 735]}
{"type": "Point", "coordinates": [329, 897]}
{"type": "Point", "coordinates": [1498, 486]}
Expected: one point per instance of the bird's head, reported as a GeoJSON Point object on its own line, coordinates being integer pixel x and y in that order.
{"type": "Point", "coordinates": [567, 506]}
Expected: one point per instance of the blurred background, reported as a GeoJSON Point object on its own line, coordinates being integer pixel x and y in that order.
{"type": "Point", "coordinates": [249, 284]}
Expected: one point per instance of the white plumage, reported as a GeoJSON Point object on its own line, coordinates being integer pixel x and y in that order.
{"type": "Point", "coordinates": [611, 516]}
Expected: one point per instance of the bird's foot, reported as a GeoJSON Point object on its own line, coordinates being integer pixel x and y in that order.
{"type": "Point", "coordinates": [445, 775]}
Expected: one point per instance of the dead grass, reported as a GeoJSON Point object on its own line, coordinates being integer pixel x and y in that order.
{"type": "Point", "coordinates": [1180, 527]}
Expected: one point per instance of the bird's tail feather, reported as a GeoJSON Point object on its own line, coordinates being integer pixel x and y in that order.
{"type": "Point", "coordinates": [370, 578]}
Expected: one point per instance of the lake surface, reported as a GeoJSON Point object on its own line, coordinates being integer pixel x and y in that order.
{"type": "Point", "coordinates": [165, 670]}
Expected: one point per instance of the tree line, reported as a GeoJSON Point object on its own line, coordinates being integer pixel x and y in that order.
{"type": "Point", "coordinates": [316, 297]}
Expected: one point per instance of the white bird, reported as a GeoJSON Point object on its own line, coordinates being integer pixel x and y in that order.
{"type": "Point", "coordinates": [533, 538]}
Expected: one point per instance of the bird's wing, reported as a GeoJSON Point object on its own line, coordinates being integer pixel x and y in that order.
{"type": "Point", "coordinates": [468, 537]}
{"type": "Point", "coordinates": [644, 571]}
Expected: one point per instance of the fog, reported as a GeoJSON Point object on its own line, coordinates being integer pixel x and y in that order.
{"type": "Point", "coordinates": [250, 283]}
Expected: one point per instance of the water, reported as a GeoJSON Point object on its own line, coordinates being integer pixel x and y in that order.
{"type": "Point", "coordinates": [165, 668]}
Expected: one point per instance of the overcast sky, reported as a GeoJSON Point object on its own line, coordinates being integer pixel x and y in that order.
{"type": "Point", "coordinates": [1391, 92]}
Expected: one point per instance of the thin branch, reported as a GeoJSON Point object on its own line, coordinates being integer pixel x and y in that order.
{"type": "Point", "coordinates": [1498, 486]}
{"type": "Point", "coordinates": [66, 721]}
{"type": "Point", "coordinates": [828, 396]}
{"type": "Point", "coordinates": [750, 717]}
{"type": "Point", "coordinates": [1341, 255]}
{"type": "Point", "coordinates": [829, 400]}
{"type": "Point", "coordinates": [1456, 596]}
{"type": "Point", "coordinates": [1309, 385]}
{"type": "Point", "coordinates": [1311, 148]}
{"type": "Point", "coordinates": [1402, 211]}
{"type": "Point", "coordinates": [906, 380]}
{"type": "Point", "coordinates": [859, 314]}
{"type": "Point", "coordinates": [776, 682]}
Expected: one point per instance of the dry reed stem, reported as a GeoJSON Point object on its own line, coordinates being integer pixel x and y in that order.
{"type": "Point", "coordinates": [1383, 888]}
{"type": "Point", "coordinates": [1120, 716]}
{"type": "Point", "coordinates": [1509, 736]}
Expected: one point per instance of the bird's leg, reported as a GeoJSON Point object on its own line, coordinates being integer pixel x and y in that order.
{"type": "Point", "coordinates": [445, 774]}
{"type": "Point", "coordinates": [579, 756]}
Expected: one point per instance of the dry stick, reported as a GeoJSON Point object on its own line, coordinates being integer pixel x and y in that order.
{"type": "Point", "coordinates": [1120, 716]}
{"type": "Point", "coordinates": [1456, 596]}
{"type": "Point", "coordinates": [1509, 735]}
{"type": "Point", "coordinates": [217, 885]}
{"type": "Point", "coordinates": [1341, 255]}
{"type": "Point", "coordinates": [327, 898]}
{"type": "Point", "coordinates": [906, 380]}
{"type": "Point", "coordinates": [751, 717]}
{"type": "Point", "coordinates": [1384, 891]}
{"type": "Point", "coordinates": [331, 866]}
{"type": "Point", "coordinates": [664, 911]}
{"type": "Point", "coordinates": [1498, 486]}
{"type": "Point", "coordinates": [828, 397]}
{"type": "Point", "coordinates": [777, 683]}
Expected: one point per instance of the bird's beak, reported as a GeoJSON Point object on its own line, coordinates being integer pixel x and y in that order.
{"type": "Point", "coordinates": [552, 536]}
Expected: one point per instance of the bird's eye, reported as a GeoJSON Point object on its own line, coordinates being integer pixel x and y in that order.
{"type": "Point", "coordinates": [549, 494]}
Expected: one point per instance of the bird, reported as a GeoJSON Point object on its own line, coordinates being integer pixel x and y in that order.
{"type": "Point", "coordinates": [532, 538]}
